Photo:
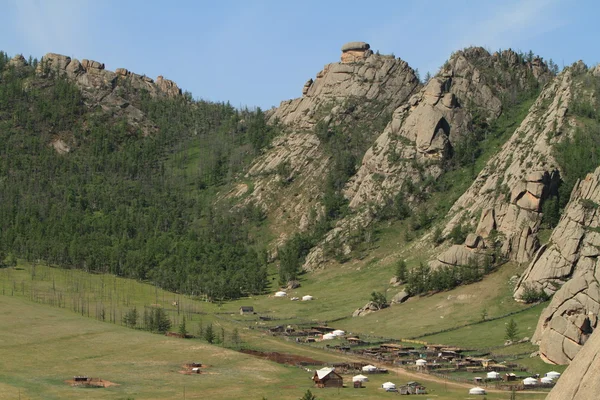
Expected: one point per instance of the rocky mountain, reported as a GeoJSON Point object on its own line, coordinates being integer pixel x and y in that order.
{"type": "Point", "coordinates": [423, 133]}
{"type": "Point", "coordinates": [365, 140]}
{"type": "Point", "coordinates": [351, 97]}
{"type": "Point", "coordinates": [505, 199]}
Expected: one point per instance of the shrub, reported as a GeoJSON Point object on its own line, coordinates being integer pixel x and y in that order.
{"type": "Point", "coordinates": [532, 295]}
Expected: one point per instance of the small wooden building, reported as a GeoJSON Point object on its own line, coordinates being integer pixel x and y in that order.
{"type": "Point", "coordinates": [327, 377]}
{"type": "Point", "coordinates": [245, 310]}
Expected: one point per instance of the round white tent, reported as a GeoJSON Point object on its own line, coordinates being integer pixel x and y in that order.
{"type": "Point", "coordinates": [530, 381]}
{"type": "Point", "coordinates": [421, 363]}
{"type": "Point", "coordinates": [369, 368]}
{"type": "Point", "coordinates": [553, 375]}
{"type": "Point", "coordinates": [280, 294]}
{"type": "Point", "coordinates": [308, 297]}
{"type": "Point", "coordinates": [546, 380]}
{"type": "Point", "coordinates": [360, 378]}
{"type": "Point", "coordinates": [338, 332]}
{"type": "Point", "coordinates": [493, 375]}
{"type": "Point", "coordinates": [328, 336]}
{"type": "Point", "coordinates": [388, 385]}
{"type": "Point", "coordinates": [477, 390]}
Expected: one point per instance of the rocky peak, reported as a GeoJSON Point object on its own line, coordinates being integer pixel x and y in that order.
{"type": "Point", "coordinates": [424, 130]}
{"type": "Point", "coordinates": [17, 61]}
{"type": "Point", "coordinates": [355, 52]}
{"type": "Point", "coordinates": [90, 74]}
{"type": "Point", "coordinates": [345, 88]}
{"type": "Point", "coordinates": [340, 96]}
{"type": "Point", "coordinates": [115, 92]}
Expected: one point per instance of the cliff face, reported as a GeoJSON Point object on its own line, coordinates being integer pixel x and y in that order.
{"type": "Point", "coordinates": [288, 178]}
{"type": "Point", "coordinates": [581, 379]}
{"type": "Point", "coordinates": [504, 202]}
{"type": "Point", "coordinates": [423, 132]}
{"type": "Point", "coordinates": [568, 268]}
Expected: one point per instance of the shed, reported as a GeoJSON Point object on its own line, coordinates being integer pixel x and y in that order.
{"type": "Point", "coordinates": [308, 297]}
{"type": "Point", "coordinates": [245, 310]}
{"type": "Point", "coordinates": [327, 377]}
{"type": "Point", "coordinates": [530, 382]}
{"type": "Point", "coordinates": [493, 375]}
{"type": "Point", "coordinates": [477, 390]}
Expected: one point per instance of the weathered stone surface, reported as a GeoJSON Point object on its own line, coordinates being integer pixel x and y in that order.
{"type": "Point", "coordinates": [472, 240]}
{"type": "Point", "coordinates": [571, 261]}
{"type": "Point", "coordinates": [508, 193]}
{"type": "Point", "coordinates": [355, 46]}
{"type": "Point", "coordinates": [456, 255]}
{"type": "Point", "coordinates": [487, 223]}
{"type": "Point", "coordinates": [426, 128]}
{"type": "Point", "coordinates": [379, 78]}
{"type": "Point", "coordinates": [17, 61]}
{"type": "Point", "coordinates": [399, 297]}
{"type": "Point", "coordinates": [581, 380]}
{"type": "Point", "coordinates": [368, 308]}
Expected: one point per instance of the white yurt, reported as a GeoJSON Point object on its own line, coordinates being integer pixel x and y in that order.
{"type": "Point", "coordinates": [338, 332]}
{"type": "Point", "coordinates": [546, 380]}
{"type": "Point", "coordinates": [530, 381]}
{"type": "Point", "coordinates": [421, 363]}
{"type": "Point", "coordinates": [553, 375]}
{"type": "Point", "coordinates": [369, 368]}
{"type": "Point", "coordinates": [308, 297]}
{"type": "Point", "coordinates": [493, 375]}
{"type": "Point", "coordinates": [388, 385]}
{"type": "Point", "coordinates": [328, 336]}
{"type": "Point", "coordinates": [360, 378]}
{"type": "Point", "coordinates": [280, 294]}
{"type": "Point", "coordinates": [477, 390]}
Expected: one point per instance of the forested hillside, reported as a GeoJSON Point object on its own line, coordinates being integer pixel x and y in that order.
{"type": "Point", "coordinates": [81, 187]}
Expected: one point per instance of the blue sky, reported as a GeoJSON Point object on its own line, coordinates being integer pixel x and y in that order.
{"type": "Point", "coordinates": [258, 53]}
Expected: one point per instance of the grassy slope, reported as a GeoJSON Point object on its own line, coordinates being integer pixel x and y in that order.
{"type": "Point", "coordinates": [42, 346]}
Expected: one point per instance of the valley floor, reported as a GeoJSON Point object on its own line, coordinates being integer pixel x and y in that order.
{"type": "Point", "coordinates": [43, 346]}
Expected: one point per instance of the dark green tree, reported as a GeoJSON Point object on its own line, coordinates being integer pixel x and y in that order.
{"type": "Point", "coordinates": [182, 328]}
{"type": "Point", "coordinates": [512, 330]}
{"type": "Point", "coordinates": [209, 334]}
{"type": "Point", "coordinates": [308, 396]}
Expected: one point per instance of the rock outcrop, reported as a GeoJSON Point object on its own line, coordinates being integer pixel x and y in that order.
{"type": "Point", "coordinates": [581, 379]}
{"type": "Point", "coordinates": [568, 268]}
{"type": "Point", "coordinates": [92, 74]}
{"type": "Point", "coordinates": [423, 132]}
{"type": "Point", "coordinates": [340, 90]}
{"type": "Point", "coordinates": [355, 51]}
{"type": "Point", "coordinates": [504, 202]}
{"type": "Point", "coordinates": [107, 89]}
{"type": "Point", "coordinates": [288, 177]}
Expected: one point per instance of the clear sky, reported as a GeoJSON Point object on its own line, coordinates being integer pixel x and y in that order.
{"type": "Point", "coordinates": [257, 53]}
